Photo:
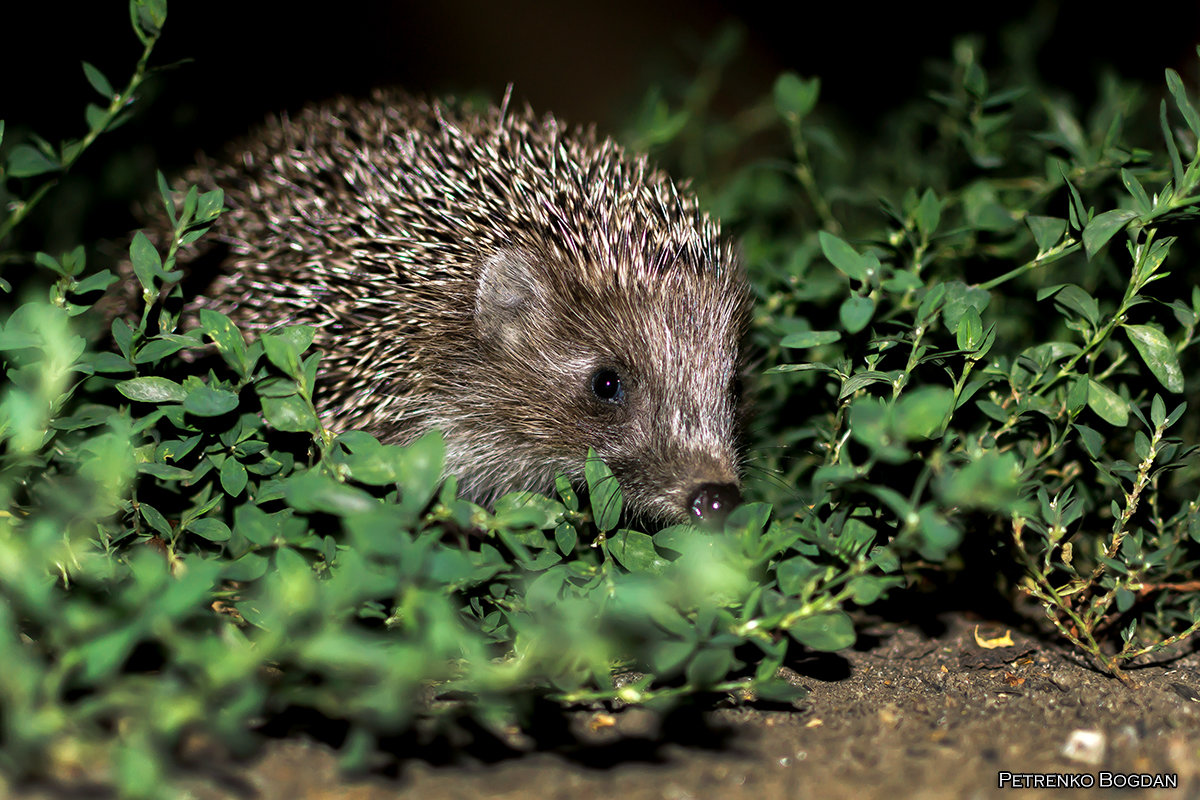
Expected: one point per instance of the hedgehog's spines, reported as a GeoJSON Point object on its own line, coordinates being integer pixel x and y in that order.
{"type": "Point", "coordinates": [373, 221]}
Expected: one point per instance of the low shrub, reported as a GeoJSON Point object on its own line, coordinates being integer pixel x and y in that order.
{"type": "Point", "coordinates": [980, 329]}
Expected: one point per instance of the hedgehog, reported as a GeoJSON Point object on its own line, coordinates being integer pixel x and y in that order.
{"type": "Point", "coordinates": [529, 288]}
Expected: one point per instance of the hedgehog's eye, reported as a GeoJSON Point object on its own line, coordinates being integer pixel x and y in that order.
{"type": "Point", "coordinates": [606, 384]}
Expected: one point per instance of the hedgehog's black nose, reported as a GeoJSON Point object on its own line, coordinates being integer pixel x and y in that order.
{"type": "Point", "coordinates": [712, 502]}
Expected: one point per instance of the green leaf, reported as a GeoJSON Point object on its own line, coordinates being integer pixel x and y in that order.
{"type": "Point", "coordinates": [826, 632]}
{"type": "Point", "coordinates": [990, 481]}
{"type": "Point", "coordinates": [228, 339]}
{"type": "Point", "coordinates": [1078, 213]}
{"type": "Point", "coordinates": [958, 298]}
{"type": "Point", "coordinates": [1158, 411]}
{"type": "Point", "coordinates": [635, 552]}
{"type": "Point", "coordinates": [205, 401]}
{"type": "Point", "coordinates": [1103, 227]}
{"type": "Point", "coordinates": [233, 477]}
{"type": "Point", "coordinates": [1047, 231]}
{"type": "Point", "coordinates": [95, 283]}
{"type": "Point", "coordinates": [901, 281]}
{"type": "Point", "coordinates": [1070, 297]}
{"type": "Point", "coordinates": [604, 491]}
{"type": "Point", "coordinates": [1159, 354]}
{"type": "Point", "coordinates": [25, 162]}
{"type": "Point", "coordinates": [566, 538]}
{"type": "Point", "coordinates": [668, 656]}
{"type": "Point", "coordinates": [256, 525]}
{"type": "Point", "coordinates": [249, 567]}
{"type": "Point", "coordinates": [778, 690]}
{"type": "Point", "coordinates": [153, 390]}
{"type": "Point", "coordinates": [932, 302]}
{"type": "Point", "coordinates": [806, 367]}
{"type": "Point", "coordinates": [862, 379]}
{"type": "Point", "coordinates": [527, 509]}
{"type": "Point", "coordinates": [1134, 187]}
{"type": "Point", "coordinates": [101, 656]}
{"type": "Point", "coordinates": [292, 413]}
{"type": "Point", "coordinates": [209, 207]}
{"type": "Point", "coordinates": [748, 519]}
{"type": "Point", "coordinates": [885, 558]}
{"type": "Point", "coordinates": [806, 339]}
{"type": "Point", "coordinates": [793, 574]}
{"type": "Point", "coordinates": [159, 348]}
{"type": "Point", "coordinates": [148, 17]}
{"type": "Point", "coordinates": [164, 191]}
{"type": "Point", "coordinates": [866, 589]}
{"type": "Point", "coordinates": [50, 262]}
{"type": "Point", "coordinates": [312, 491]}
{"type": "Point", "coordinates": [856, 312]}
{"type": "Point", "coordinates": [214, 530]}
{"type": "Point", "coordinates": [1091, 439]}
{"type": "Point", "coordinates": [871, 422]}
{"type": "Point", "coordinates": [100, 83]}
{"type": "Point", "coordinates": [939, 536]}
{"type": "Point", "coordinates": [284, 348]}
{"type": "Point", "coordinates": [420, 470]}
{"type": "Point", "coordinates": [147, 264]}
{"type": "Point", "coordinates": [929, 213]}
{"type": "Point", "coordinates": [1078, 396]}
{"type": "Point", "coordinates": [277, 387]}
{"type": "Point", "coordinates": [123, 335]}
{"type": "Point", "coordinates": [975, 80]}
{"type": "Point", "coordinates": [165, 471]}
{"type": "Point", "coordinates": [709, 666]}
{"type": "Point", "coordinates": [367, 460]}
{"type": "Point", "coordinates": [1175, 85]}
{"type": "Point", "coordinates": [843, 257]}
{"type": "Point", "coordinates": [920, 413]}
{"type": "Point", "coordinates": [1172, 148]}
{"type": "Point", "coordinates": [75, 260]}
{"type": "Point", "coordinates": [795, 97]}
{"type": "Point", "coordinates": [1107, 404]}
{"type": "Point", "coordinates": [984, 210]}
{"type": "Point", "coordinates": [970, 329]}
{"type": "Point", "coordinates": [156, 520]}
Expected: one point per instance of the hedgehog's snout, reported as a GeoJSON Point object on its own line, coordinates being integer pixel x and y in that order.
{"type": "Point", "coordinates": [710, 503]}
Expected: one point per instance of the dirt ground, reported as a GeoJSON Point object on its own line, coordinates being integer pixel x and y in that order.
{"type": "Point", "coordinates": [927, 715]}
{"type": "Point", "coordinates": [906, 714]}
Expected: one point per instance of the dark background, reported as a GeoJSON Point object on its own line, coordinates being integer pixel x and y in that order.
{"type": "Point", "coordinates": [583, 60]}
{"type": "Point", "coordinates": [586, 61]}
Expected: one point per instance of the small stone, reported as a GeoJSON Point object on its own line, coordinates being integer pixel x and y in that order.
{"type": "Point", "coordinates": [1085, 746]}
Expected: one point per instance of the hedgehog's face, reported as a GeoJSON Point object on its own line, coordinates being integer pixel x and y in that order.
{"type": "Point", "coordinates": [643, 371]}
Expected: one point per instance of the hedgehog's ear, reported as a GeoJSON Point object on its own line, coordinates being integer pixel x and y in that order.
{"type": "Point", "coordinates": [506, 296]}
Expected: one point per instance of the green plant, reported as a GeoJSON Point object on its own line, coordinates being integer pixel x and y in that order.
{"type": "Point", "coordinates": [1002, 358]}
{"type": "Point", "coordinates": [186, 550]}
{"type": "Point", "coordinates": [40, 158]}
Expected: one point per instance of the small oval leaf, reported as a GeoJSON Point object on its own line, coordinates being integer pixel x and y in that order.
{"type": "Point", "coordinates": [856, 313]}
{"type": "Point", "coordinates": [1103, 227]}
{"type": "Point", "coordinates": [205, 401]}
{"type": "Point", "coordinates": [604, 491]}
{"type": "Point", "coordinates": [1107, 404]}
{"type": "Point", "coordinates": [805, 339]}
{"type": "Point", "coordinates": [827, 632]}
{"type": "Point", "coordinates": [152, 390]}
{"type": "Point", "coordinates": [1159, 354]}
{"type": "Point", "coordinates": [844, 257]}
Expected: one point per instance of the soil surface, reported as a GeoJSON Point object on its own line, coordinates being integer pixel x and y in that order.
{"type": "Point", "coordinates": [907, 714]}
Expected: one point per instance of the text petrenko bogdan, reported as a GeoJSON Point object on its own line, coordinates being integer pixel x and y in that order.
{"type": "Point", "coordinates": [1086, 780]}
